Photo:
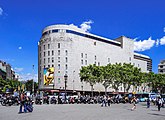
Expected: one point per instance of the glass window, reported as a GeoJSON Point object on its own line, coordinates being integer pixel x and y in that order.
{"type": "Point", "coordinates": [66, 52]}
{"type": "Point", "coordinates": [85, 55]}
{"type": "Point", "coordinates": [95, 57]}
{"type": "Point", "coordinates": [44, 54]}
{"type": "Point", "coordinates": [58, 66]}
{"type": "Point", "coordinates": [58, 59]}
{"type": "Point", "coordinates": [58, 71]}
{"type": "Point", "coordinates": [48, 46]}
{"type": "Point", "coordinates": [82, 62]}
{"type": "Point", "coordinates": [94, 43]}
{"type": "Point", "coordinates": [66, 67]}
{"type": "Point", "coordinates": [85, 62]}
{"type": "Point", "coordinates": [58, 45]}
{"type": "Point", "coordinates": [44, 66]}
{"type": "Point", "coordinates": [48, 53]}
{"type": "Point", "coordinates": [129, 58]}
{"type": "Point", "coordinates": [58, 80]}
{"type": "Point", "coordinates": [52, 59]}
{"type": "Point", "coordinates": [48, 60]}
{"type": "Point", "coordinates": [52, 52]}
{"type": "Point", "coordinates": [109, 60]}
{"type": "Point", "coordinates": [58, 52]}
{"type": "Point", "coordinates": [52, 65]}
{"type": "Point", "coordinates": [48, 66]}
{"type": "Point", "coordinates": [44, 47]}
{"type": "Point", "coordinates": [81, 55]}
{"type": "Point", "coordinates": [44, 60]}
{"type": "Point", "coordinates": [98, 63]}
{"type": "Point", "coordinates": [66, 59]}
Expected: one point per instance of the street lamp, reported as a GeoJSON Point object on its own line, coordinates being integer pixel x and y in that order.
{"type": "Point", "coordinates": [65, 78]}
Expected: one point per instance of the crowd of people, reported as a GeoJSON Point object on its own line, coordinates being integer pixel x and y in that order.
{"type": "Point", "coordinates": [26, 102]}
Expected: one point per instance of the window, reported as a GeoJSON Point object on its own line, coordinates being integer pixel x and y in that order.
{"type": "Point", "coordinates": [66, 59]}
{"type": "Point", "coordinates": [48, 46]}
{"type": "Point", "coordinates": [58, 71]}
{"type": "Point", "coordinates": [85, 62]}
{"type": "Point", "coordinates": [95, 57]}
{"type": "Point", "coordinates": [58, 80]}
{"type": "Point", "coordinates": [48, 53]}
{"type": "Point", "coordinates": [40, 54]}
{"type": "Point", "coordinates": [58, 52]}
{"type": "Point", "coordinates": [95, 43]}
{"type": "Point", "coordinates": [138, 65]}
{"type": "Point", "coordinates": [58, 66]}
{"type": "Point", "coordinates": [129, 58]}
{"type": "Point", "coordinates": [52, 52]}
{"type": "Point", "coordinates": [44, 47]}
{"type": "Point", "coordinates": [48, 60]}
{"type": "Point", "coordinates": [66, 52]}
{"type": "Point", "coordinates": [98, 63]}
{"type": "Point", "coordinates": [66, 67]}
{"type": "Point", "coordinates": [52, 59]}
{"type": "Point", "coordinates": [58, 45]}
{"type": "Point", "coordinates": [44, 66]}
{"type": "Point", "coordinates": [44, 54]}
{"type": "Point", "coordinates": [85, 55]}
{"type": "Point", "coordinates": [48, 66]}
{"type": "Point", "coordinates": [109, 60]}
{"type": "Point", "coordinates": [82, 62]}
{"type": "Point", "coordinates": [81, 55]}
{"type": "Point", "coordinates": [52, 65]}
{"type": "Point", "coordinates": [58, 59]}
{"type": "Point", "coordinates": [44, 60]}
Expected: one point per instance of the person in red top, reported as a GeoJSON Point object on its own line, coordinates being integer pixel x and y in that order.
{"type": "Point", "coordinates": [22, 102]}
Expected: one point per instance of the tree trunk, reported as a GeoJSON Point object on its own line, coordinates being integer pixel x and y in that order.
{"type": "Point", "coordinates": [106, 91]}
{"type": "Point", "coordinates": [92, 91]}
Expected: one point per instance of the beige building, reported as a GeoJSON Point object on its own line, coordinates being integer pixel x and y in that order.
{"type": "Point", "coordinates": [67, 49]}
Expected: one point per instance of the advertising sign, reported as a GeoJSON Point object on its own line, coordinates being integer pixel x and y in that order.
{"type": "Point", "coordinates": [48, 76]}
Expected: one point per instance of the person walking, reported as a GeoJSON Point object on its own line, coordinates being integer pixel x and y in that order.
{"type": "Point", "coordinates": [109, 101]}
{"type": "Point", "coordinates": [134, 103]}
{"type": "Point", "coordinates": [148, 103]}
{"type": "Point", "coordinates": [104, 101]}
{"type": "Point", "coordinates": [22, 103]}
{"type": "Point", "coordinates": [159, 103]}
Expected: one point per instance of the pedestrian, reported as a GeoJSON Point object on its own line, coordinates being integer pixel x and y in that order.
{"type": "Point", "coordinates": [104, 101]}
{"type": "Point", "coordinates": [134, 103]}
{"type": "Point", "coordinates": [22, 103]}
{"type": "Point", "coordinates": [148, 103]}
{"type": "Point", "coordinates": [159, 103]}
{"type": "Point", "coordinates": [109, 101]}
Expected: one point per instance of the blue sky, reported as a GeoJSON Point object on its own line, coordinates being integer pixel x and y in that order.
{"type": "Point", "coordinates": [22, 21]}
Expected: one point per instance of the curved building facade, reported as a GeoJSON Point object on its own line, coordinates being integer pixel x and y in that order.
{"type": "Point", "coordinates": [64, 49]}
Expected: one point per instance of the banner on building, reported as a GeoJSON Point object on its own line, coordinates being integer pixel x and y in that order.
{"type": "Point", "coordinates": [48, 76]}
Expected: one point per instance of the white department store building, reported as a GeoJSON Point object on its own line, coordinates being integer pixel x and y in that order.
{"type": "Point", "coordinates": [67, 48]}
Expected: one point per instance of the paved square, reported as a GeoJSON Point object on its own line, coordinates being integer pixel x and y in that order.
{"type": "Point", "coordinates": [84, 112]}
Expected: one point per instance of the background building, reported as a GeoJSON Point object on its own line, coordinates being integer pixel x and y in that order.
{"type": "Point", "coordinates": [161, 67]}
{"type": "Point", "coordinates": [67, 49]}
{"type": "Point", "coordinates": [6, 72]}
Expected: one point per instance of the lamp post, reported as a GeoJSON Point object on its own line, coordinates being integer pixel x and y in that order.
{"type": "Point", "coordinates": [65, 78]}
{"type": "Point", "coordinates": [33, 84]}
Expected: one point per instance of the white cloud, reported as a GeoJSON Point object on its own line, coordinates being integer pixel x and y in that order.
{"type": "Point", "coordinates": [28, 76]}
{"type": "Point", "coordinates": [162, 41]}
{"type": "Point", "coordinates": [157, 42]}
{"type": "Point", "coordinates": [86, 26]}
{"type": "Point", "coordinates": [18, 69]}
{"type": "Point", "coordinates": [1, 11]}
{"type": "Point", "coordinates": [144, 45]}
{"type": "Point", "coordinates": [19, 48]}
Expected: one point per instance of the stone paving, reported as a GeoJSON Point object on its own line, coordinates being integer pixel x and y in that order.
{"type": "Point", "coordinates": [84, 112]}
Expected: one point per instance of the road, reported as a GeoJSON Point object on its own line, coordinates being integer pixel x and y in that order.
{"type": "Point", "coordinates": [83, 112]}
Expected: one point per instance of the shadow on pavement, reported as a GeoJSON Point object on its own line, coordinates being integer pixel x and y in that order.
{"type": "Point", "coordinates": [156, 114]}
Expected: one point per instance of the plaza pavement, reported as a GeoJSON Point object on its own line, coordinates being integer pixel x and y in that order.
{"type": "Point", "coordinates": [84, 112]}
